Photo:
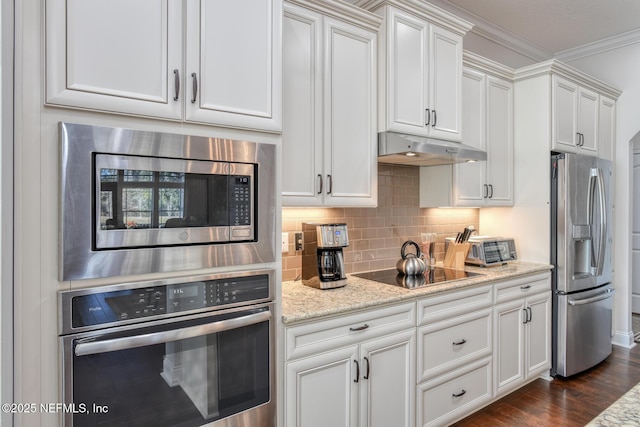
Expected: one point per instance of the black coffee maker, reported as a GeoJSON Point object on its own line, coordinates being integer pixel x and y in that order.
{"type": "Point", "coordinates": [322, 258]}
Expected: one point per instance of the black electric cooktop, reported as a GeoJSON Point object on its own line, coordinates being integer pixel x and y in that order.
{"type": "Point", "coordinates": [431, 276]}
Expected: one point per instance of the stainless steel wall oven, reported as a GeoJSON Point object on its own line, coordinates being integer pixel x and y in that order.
{"type": "Point", "coordinates": [179, 352]}
{"type": "Point", "coordinates": [142, 202]}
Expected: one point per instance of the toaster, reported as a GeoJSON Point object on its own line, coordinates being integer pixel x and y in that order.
{"type": "Point", "coordinates": [486, 251]}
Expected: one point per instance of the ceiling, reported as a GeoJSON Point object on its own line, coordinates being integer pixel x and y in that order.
{"type": "Point", "coordinates": [544, 29]}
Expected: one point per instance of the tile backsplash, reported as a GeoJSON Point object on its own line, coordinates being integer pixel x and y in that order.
{"type": "Point", "coordinates": [377, 234]}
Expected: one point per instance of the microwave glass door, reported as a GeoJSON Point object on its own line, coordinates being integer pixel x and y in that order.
{"type": "Point", "coordinates": [143, 201]}
{"type": "Point", "coordinates": [186, 373]}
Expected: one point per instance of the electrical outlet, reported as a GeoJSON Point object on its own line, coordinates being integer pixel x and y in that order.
{"type": "Point", "coordinates": [285, 242]}
{"type": "Point", "coordinates": [298, 241]}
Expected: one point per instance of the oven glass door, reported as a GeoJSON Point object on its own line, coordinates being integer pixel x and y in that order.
{"type": "Point", "coordinates": [182, 373]}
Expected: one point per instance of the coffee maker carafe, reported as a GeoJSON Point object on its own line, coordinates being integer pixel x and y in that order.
{"type": "Point", "coordinates": [322, 258]}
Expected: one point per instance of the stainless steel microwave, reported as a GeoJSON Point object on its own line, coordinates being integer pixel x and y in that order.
{"type": "Point", "coordinates": [144, 202]}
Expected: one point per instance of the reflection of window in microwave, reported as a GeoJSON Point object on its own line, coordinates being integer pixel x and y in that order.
{"type": "Point", "coordinates": [140, 199]}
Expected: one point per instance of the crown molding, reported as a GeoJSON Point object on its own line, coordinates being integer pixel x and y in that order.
{"type": "Point", "coordinates": [555, 67]}
{"type": "Point", "coordinates": [470, 59]}
{"type": "Point", "coordinates": [342, 11]}
{"type": "Point", "coordinates": [489, 31]}
{"type": "Point", "coordinates": [604, 45]}
{"type": "Point", "coordinates": [424, 10]}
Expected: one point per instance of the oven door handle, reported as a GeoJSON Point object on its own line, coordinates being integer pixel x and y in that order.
{"type": "Point", "coordinates": [86, 347]}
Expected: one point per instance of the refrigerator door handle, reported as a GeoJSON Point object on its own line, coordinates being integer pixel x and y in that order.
{"type": "Point", "coordinates": [603, 223]}
{"type": "Point", "coordinates": [608, 294]}
{"type": "Point", "coordinates": [596, 184]}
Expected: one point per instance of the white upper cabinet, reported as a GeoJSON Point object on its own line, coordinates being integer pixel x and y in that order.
{"type": "Point", "coordinates": [421, 70]}
{"type": "Point", "coordinates": [209, 62]}
{"type": "Point", "coordinates": [607, 128]}
{"type": "Point", "coordinates": [329, 137]}
{"type": "Point", "coordinates": [100, 58]}
{"type": "Point", "coordinates": [420, 67]}
{"type": "Point", "coordinates": [487, 124]}
{"type": "Point", "coordinates": [234, 54]}
{"type": "Point", "coordinates": [575, 117]}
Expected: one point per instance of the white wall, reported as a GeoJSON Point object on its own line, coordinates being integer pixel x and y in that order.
{"type": "Point", "coordinates": [619, 68]}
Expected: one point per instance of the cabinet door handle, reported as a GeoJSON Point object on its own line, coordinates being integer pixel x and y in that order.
{"type": "Point", "coordinates": [461, 393]}
{"type": "Point", "coordinates": [526, 316]}
{"type": "Point", "coordinates": [435, 119]}
{"type": "Point", "coordinates": [357, 371]}
{"type": "Point", "coordinates": [491, 191]}
{"type": "Point", "coordinates": [195, 87]}
{"type": "Point", "coordinates": [427, 117]}
{"type": "Point", "coordinates": [462, 341]}
{"type": "Point", "coordinates": [486, 191]}
{"type": "Point", "coordinates": [330, 184]}
{"type": "Point", "coordinates": [366, 376]}
{"type": "Point", "coordinates": [176, 83]}
{"type": "Point", "coordinates": [321, 182]}
{"type": "Point", "coordinates": [359, 328]}
{"type": "Point", "coordinates": [530, 317]}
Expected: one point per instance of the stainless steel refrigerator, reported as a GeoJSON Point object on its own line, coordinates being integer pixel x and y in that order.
{"type": "Point", "coordinates": [581, 241]}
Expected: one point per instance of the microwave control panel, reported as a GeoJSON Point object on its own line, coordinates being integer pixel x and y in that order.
{"type": "Point", "coordinates": [148, 302]}
{"type": "Point", "coordinates": [240, 200]}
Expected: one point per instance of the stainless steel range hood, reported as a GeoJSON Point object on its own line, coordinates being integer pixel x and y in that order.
{"type": "Point", "coordinates": [402, 149]}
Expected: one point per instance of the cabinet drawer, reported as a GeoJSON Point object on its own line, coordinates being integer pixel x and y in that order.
{"type": "Point", "coordinates": [447, 345]}
{"type": "Point", "coordinates": [522, 287]}
{"type": "Point", "coordinates": [455, 395]}
{"type": "Point", "coordinates": [323, 335]}
{"type": "Point", "coordinates": [454, 303]}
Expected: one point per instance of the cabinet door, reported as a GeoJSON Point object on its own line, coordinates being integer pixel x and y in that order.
{"type": "Point", "coordinates": [508, 352]}
{"type": "Point", "coordinates": [588, 120]}
{"type": "Point", "coordinates": [470, 188]}
{"type": "Point", "coordinates": [234, 63]}
{"type": "Point", "coordinates": [407, 73]}
{"type": "Point", "coordinates": [538, 331]}
{"type": "Point", "coordinates": [499, 142]}
{"type": "Point", "coordinates": [607, 128]}
{"type": "Point", "coordinates": [302, 107]}
{"type": "Point", "coordinates": [445, 75]}
{"type": "Point", "coordinates": [131, 68]}
{"type": "Point", "coordinates": [350, 138]}
{"type": "Point", "coordinates": [387, 367]}
{"type": "Point", "coordinates": [565, 111]}
{"type": "Point", "coordinates": [321, 390]}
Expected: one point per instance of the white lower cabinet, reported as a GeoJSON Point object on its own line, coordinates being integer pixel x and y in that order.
{"type": "Point", "coordinates": [428, 362]}
{"type": "Point", "coordinates": [454, 355]}
{"type": "Point", "coordinates": [367, 383]}
{"type": "Point", "coordinates": [522, 332]}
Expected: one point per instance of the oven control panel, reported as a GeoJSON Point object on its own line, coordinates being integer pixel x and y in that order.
{"type": "Point", "coordinates": [113, 306]}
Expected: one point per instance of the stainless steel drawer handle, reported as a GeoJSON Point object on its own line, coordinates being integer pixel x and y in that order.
{"type": "Point", "coordinates": [359, 328]}
{"type": "Point", "coordinates": [87, 347]}
{"type": "Point", "coordinates": [462, 341]}
{"type": "Point", "coordinates": [608, 294]}
{"type": "Point", "coordinates": [461, 393]}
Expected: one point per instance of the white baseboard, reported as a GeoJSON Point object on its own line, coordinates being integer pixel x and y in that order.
{"type": "Point", "coordinates": [623, 339]}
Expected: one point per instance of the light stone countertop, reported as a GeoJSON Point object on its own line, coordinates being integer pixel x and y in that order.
{"type": "Point", "coordinates": [301, 303]}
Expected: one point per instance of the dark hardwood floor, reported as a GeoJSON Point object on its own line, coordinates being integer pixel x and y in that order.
{"type": "Point", "coordinates": [564, 402]}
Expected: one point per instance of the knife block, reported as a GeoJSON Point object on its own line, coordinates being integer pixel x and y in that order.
{"type": "Point", "coordinates": [456, 255]}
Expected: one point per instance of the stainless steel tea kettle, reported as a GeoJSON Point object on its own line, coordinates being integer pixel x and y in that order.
{"type": "Point", "coordinates": [410, 264]}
